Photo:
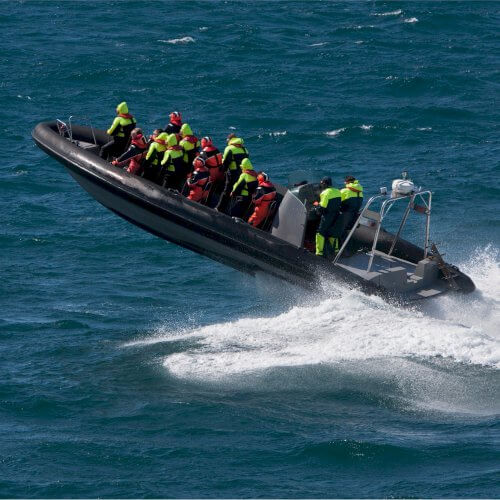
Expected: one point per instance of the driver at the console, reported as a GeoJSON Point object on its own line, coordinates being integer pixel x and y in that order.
{"type": "Point", "coordinates": [328, 208]}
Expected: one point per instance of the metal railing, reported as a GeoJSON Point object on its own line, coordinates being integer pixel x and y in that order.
{"type": "Point", "coordinates": [66, 130]}
{"type": "Point", "coordinates": [379, 216]}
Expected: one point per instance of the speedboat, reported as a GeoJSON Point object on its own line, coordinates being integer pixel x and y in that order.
{"type": "Point", "coordinates": [370, 258]}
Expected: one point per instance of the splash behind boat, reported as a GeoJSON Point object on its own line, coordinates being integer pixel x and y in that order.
{"type": "Point", "coordinates": [371, 258]}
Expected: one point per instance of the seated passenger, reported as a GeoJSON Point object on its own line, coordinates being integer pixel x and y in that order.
{"type": "Point", "coordinates": [234, 154]}
{"type": "Point", "coordinates": [119, 132]}
{"type": "Point", "coordinates": [243, 189]}
{"type": "Point", "coordinates": [154, 135]}
{"type": "Point", "coordinates": [172, 166]}
{"type": "Point", "coordinates": [198, 180]}
{"type": "Point", "coordinates": [154, 157]}
{"type": "Point", "coordinates": [262, 199]}
{"type": "Point", "coordinates": [175, 124]}
{"type": "Point", "coordinates": [132, 158]}
{"type": "Point", "coordinates": [190, 144]}
{"type": "Point", "coordinates": [328, 209]}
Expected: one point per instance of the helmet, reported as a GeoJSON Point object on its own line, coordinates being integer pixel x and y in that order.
{"type": "Point", "coordinates": [199, 162]}
{"type": "Point", "coordinates": [175, 117]}
{"type": "Point", "coordinates": [262, 177]}
{"type": "Point", "coordinates": [326, 181]}
{"type": "Point", "coordinates": [206, 141]}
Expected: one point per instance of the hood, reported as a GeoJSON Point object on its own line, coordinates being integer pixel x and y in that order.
{"type": "Point", "coordinates": [122, 108]}
{"type": "Point", "coordinates": [176, 120]}
{"type": "Point", "coordinates": [246, 164]}
{"type": "Point", "coordinates": [162, 138]}
{"type": "Point", "coordinates": [186, 130]}
{"type": "Point", "coordinates": [172, 140]}
{"type": "Point", "coordinates": [236, 141]}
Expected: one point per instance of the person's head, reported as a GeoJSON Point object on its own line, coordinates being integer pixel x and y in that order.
{"type": "Point", "coordinates": [199, 162]}
{"type": "Point", "coordinates": [172, 140]}
{"type": "Point", "coordinates": [162, 138]}
{"type": "Point", "coordinates": [156, 133]}
{"type": "Point", "coordinates": [135, 132]}
{"type": "Point", "coordinates": [206, 142]}
{"type": "Point", "coordinates": [122, 108]}
{"type": "Point", "coordinates": [246, 164]}
{"type": "Point", "coordinates": [325, 182]}
{"type": "Point", "coordinates": [349, 178]}
{"type": "Point", "coordinates": [175, 118]}
{"type": "Point", "coordinates": [262, 177]}
{"type": "Point", "coordinates": [186, 130]}
{"type": "Point", "coordinates": [230, 136]}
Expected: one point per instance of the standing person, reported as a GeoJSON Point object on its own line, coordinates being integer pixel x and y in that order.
{"type": "Point", "coordinates": [119, 132]}
{"type": "Point", "coordinates": [190, 144]}
{"type": "Point", "coordinates": [262, 199]}
{"type": "Point", "coordinates": [234, 154]}
{"type": "Point", "coordinates": [175, 123]}
{"type": "Point", "coordinates": [328, 208]}
{"type": "Point", "coordinates": [213, 161]}
{"type": "Point", "coordinates": [351, 201]}
{"type": "Point", "coordinates": [172, 166]}
{"type": "Point", "coordinates": [243, 189]}
{"type": "Point", "coordinates": [198, 180]}
{"type": "Point", "coordinates": [154, 158]}
{"type": "Point", "coordinates": [132, 158]}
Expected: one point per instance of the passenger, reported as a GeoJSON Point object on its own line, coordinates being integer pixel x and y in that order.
{"type": "Point", "coordinates": [119, 132]}
{"type": "Point", "coordinates": [328, 208]}
{"type": "Point", "coordinates": [234, 154]}
{"type": "Point", "coordinates": [243, 189]}
{"type": "Point", "coordinates": [154, 135]}
{"type": "Point", "coordinates": [172, 166]}
{"type": "Point", "coordinates": [175, 124]}
{"type": "Point", "coordinates": [132, 158]}
{"type": "Point", "coordinates": [262, 199]}
{"type": "Point", "coordinates": [198, 180]}
{"type": "Point", "coordinates": [213, 161]}
{"type": "Point", "coordinates": [352, 199]}
{"type": "Point", "coordinates": [190, 144]}
{"type": "Point", "coordinates": [154, 157]}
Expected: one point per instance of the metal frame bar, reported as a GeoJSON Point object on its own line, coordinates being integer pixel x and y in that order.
{"type": "Point", "coordinates": [403, 222]}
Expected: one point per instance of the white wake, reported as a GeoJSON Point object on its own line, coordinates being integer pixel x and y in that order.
{"type": "Point", "coordinates": [345, 325]}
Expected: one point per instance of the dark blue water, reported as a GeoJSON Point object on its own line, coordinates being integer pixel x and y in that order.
{"type": "Point", "coordinates": [133, 368]}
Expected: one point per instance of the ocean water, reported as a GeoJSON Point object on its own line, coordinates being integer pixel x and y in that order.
{"type": "Point", "coordinates": [134, 368]}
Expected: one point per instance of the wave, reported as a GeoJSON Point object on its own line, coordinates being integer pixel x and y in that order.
{"type": "Point", "coordinates": [175, 41]}
{"type": "Point", "coordinates": [392, 13]}
{"type": "Point", "coordinates": [411, 20]}
{"type": "Point", "coordinates": [335, 133]}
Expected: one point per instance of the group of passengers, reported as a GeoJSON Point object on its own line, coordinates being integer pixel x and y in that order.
{"type": "Point", "coordinates": [174, 158]}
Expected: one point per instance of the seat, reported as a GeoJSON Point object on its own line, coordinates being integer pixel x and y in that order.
{"type": "Point", "coordinates": [265, 226]}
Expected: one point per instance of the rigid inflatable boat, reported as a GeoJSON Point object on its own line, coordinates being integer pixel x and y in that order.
{"type": "Point", "coordinates": [370, 258]}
